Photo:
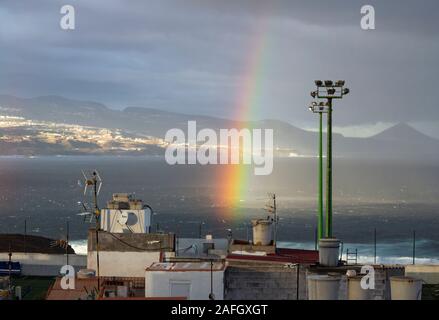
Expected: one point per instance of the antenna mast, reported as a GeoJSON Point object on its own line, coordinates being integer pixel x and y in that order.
{"type": "Point", "coordinates": [271, 208]}
{"type": "Point", "coordinates": [96, 182]}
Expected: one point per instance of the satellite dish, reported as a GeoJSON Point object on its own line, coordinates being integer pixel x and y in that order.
{"type": "Point", "coordinates": [123, 218]}
{"type": "Point", "coordinates": [132, 219]}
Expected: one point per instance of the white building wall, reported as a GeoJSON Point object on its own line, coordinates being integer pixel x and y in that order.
{"type": "Point", "coordinates": [158, 283]}
{"type": "Point", "coordinates": [122, 264]}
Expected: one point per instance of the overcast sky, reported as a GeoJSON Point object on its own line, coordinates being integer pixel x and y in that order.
{"type": "Point", "coordinates": [198, 56]}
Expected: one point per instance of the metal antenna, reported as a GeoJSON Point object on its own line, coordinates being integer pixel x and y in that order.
{"type": "Point", "coordinates": [95, 182]}
{"type": "Point", "coordinates": [67, 242]}
{"type": "Point", "coordinates": [271, 208]}
{"type": "Point", "coordinates": [10, 268]}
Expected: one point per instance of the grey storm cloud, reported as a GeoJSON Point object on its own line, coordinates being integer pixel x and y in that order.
{"type": "Point", "coordinates": [193, 56]}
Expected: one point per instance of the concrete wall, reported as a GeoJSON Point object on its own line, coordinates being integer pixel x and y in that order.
{"type": "Point", "coordinates": [41, 264]}
{"type": "Point", "coordinates": [158, 283]}
{"type": "Point", "coordinates": [122, 264]}
{"type": "Point", "coordinates": [138, 242]}
{"type": "Point", "coordinates": [127, 254]}
{"type": "Point", "coordinates": [428, 273]}
{"type": "Point", "coordinates": [256, 281]}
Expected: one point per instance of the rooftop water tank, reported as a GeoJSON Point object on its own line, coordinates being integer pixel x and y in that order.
{"type": "Point", "coordinates": [329, 249]}
{"type": "Point", "coordinates": [354, 289]}
{"type": "Point", "coordinates": [262, 232]}
{"type": "Point", "coordinates": [323, 287]}
{"type": "Point", "coordinates": [405, 288]}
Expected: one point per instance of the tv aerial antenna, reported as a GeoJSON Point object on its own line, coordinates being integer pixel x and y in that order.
{"type": "Point", "coordinates": [271, 208]}
{"type": "Point", "coordinates": [93, 181]}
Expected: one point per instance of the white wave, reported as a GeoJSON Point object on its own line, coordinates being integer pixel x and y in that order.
{"type": "Point", "coordinates": [387, 253]}
{"type": "Point", "coordinates": [80, 246]}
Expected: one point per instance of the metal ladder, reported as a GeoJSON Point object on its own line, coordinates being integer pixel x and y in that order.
{"type": "Point", "coordinates": [351, 256]}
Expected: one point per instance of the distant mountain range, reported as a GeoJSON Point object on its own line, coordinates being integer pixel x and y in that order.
{"type": "Point", "coordinates": [399, 141]}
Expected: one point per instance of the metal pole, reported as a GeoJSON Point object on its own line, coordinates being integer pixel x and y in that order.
{"type": "Point", "coordinates": [25, 234]}
{"type": "Point", "coordinates": [315, 238]}
{"type": "Point", "coordinates": [414, 246]}
{"type": "Point", "coordinates": [275, 220]}
{"type": "Point", "coordinates": [211, 278]}
{"type": "Point", "coordinates": [320, 218]}
{"type": "Point", "coordinates": [10, 267]}
{"type": "Point", "coordinates": [67, 244]}
{"type": "Point", "coordinates": [329, 173]}
{"type": "Point", "coordinates": [297, 280]}
{"type": "Point", "coordinates": [375, 246]}
{"type": "Point", "coordinates": [211, 295]}
{"type": "Point", "coordinates": [95, 194]}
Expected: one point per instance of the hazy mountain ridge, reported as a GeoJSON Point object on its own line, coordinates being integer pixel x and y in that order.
{"type": "Point", "coordinates": [398, 141]}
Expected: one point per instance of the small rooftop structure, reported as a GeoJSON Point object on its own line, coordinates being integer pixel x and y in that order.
{"type": "Point", "coordinates": [125, 214]}
{"type": "Point", "coordinates": [189, 280]}
{"type": "Point", "coordinates": [246, 247]}
{"type": "Point", "coordinates": [124, 201]}
{"type": "Point", "coordinates": [196, 247]}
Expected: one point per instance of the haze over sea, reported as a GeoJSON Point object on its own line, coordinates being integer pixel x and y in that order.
{"type": "Point", "coordinates": [396, 198]}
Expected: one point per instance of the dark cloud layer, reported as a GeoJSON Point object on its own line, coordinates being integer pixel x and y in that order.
{"type": "Point", "coordinates": [192, 55]}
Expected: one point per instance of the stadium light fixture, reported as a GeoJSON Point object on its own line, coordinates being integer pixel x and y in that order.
{"type": "Point", "coordinates": [328, 90]}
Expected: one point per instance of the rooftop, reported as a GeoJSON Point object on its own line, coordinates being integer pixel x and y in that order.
{"type": "Point", "coordinates": [82, 289]}
{"type": "Point", "coordinates": [282, 255]}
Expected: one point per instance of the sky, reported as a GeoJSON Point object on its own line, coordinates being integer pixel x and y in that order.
{"type": "Point", "coordinates": [219, 57]}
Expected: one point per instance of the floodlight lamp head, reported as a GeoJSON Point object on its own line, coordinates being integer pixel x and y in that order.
{"type": "Point", "coordinates": [345, 91]}
{"type": "Point", "coordinates": [318, 83]}
{"type": "Point", "coordinates": [314, 94]}
{"type": "Point", "coordinates": [328, 83]}
{"type": "Point", "coordinates": [340, 83]}
{"type": "Point", "coordinates": [331, 91]}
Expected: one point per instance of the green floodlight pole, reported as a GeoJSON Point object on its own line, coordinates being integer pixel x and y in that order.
{"type": "Point", "coordinates": [320, 109]}
{"type": "Point", "coordinates": [328, 232]}
{"type": "Point", "coordinates": [332, 91]}
{"type": "Point", "coordinates": [320, 221]}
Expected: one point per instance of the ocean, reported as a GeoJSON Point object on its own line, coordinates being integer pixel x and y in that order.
{"type": "Point", "coordinates": [393, 198]}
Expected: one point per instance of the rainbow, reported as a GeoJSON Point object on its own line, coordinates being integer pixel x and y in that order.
{"type": "Point", "coordinates": [234, 179]}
